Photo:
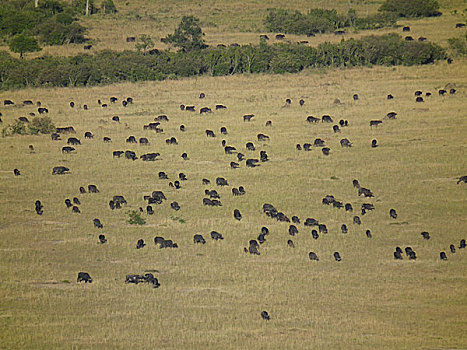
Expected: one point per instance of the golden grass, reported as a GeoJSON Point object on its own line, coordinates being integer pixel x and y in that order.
{"type": "Point", "coordinates": [211, 296]}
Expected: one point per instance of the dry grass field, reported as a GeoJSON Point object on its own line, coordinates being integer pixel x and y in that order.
{"type": "Point", "coordinates": [211, 295]}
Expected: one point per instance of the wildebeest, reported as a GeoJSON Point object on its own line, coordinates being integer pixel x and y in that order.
{"type": "Point", "coordinates": [182, 176]}
{"type": "Point", "coordinates": [220, 181]}
{"type": "Point", "coordinates": [250, 146]}
{"type": "Point", "coordinates": [42, 110]}
{"type": "Point", "coordinates": [65, 130]}
{"type": "Point", "coordinates": [237, 215]}
{"type": "Point", "coordinates": [75, 210]}
{"type": "Point", "coordinates": [171, 141]}
{"type": "Point", "coordinates": [175, 206]}
{"type": "Point", "coordinates": [73, 141]}
{"type": "Point", "coordinates": [452, 248]}
{"type": "Point", "coordinates": [251, 163]}
{"type": "Point", "coordinates": [425, 235]}
{"type": "Point", "coordinates": [264, 314]}
{"type": "Point", "coordinates": [293, 230]}
{"type": "Point", "coordinates": [8, 103]}
{"type": "Point", "coordinates": [462, 179]}
{"type": "Point", "coordinates": [248, 117]}
{"type": "Point", "coordinates": [130, 155]}
{"type": "Point", "coordinates": [419, 99]}
{"type": "Point", "coordinates": [84, 277]}
{"type": "Point", "coordinates": [102, 239]}
{"type": "Point", "coordinates": [162, 175]}
{"type": "Point", "coordinates": [462, 244]}
{"type": "Point", "coordinates": [205, 110]}
{"type": "Point", "coordinates": [389, 97]}
{"type": "Point", "coordinates": [326, 119]}
{"type": "Point", "coordinates": [313, 256]}
{"type": "Point", "coordinates": [140, 244]}
{"type": "Point", "coordinates": [337, 256]}
{"type": "Point", "coordinates": [263, 156]}
{"type": "Point", "coordinates": [220, 107]}
{"type": "Point", "coordinates": [216, 236]}
{"type": "Point", "coordinates": [374, 143]}
{"type": "Point", "coordinates": [280, 36]}
{"type": "Point", "coordinates": [348, 207]}
{"type": "Point", "coordinates": [408, 38]}
{"type": "Point", "coordinates": [365, 191]}
{"type": "Point", "coordinates": [112, 204]}
{"type": "Point", "coordinates": [116, 118]}
{"type": "Point", "coordinates": [375, 122]}
{"type": "Point", "coordinates": [344, 228]}
{"type": "Point", "coordinates": [88, 135]}
{"type": "Point", "coordinates": [460, 25]}
{"type": "Point", "coordinates": [38, 207]}
{"type": "Point", "coordinates": [393, 214]}
{"type": "Point", "coordinates": [262, 137]}
{"type": "Point", "coordinates": [149, 210]}
{"type": "Point", "coordinates": [119, 200]}
{"type": "Point", "coordinates": [443, 256]}
{"type": "Point", "coordinates": [406, 29]}
{"type": "Point", "coordinates": [452, 91]}
{"type": "Point", "coordinates": [92, 189]}
{"type": "Point", "coordinates": [210, 133]}
{"type": "Point", "coordinates": [59, 170]}
{"type": "Point", "coordinates": [143, 141]}
{"type": "Point", "coordinates": [23, 119]}
{"type": "Point", "coordinates": [325, 150]}
{"type": "Point", "coordinates": [190, 108]}
{"type": "Point", "coordinates": [356, 220]}
{"type": "Point", "coordinates": [241, 190]}
{"type": "Point", "coordinates": [202, 95]}
{"type": "Point", "coordinates": [131, 139]}
{"type": "Point", "coordinates": [97, 223]}
{"type": "Point", "coordinates": [311, 222]}
{"type": "Point", "coordinates": [290, 243]}
{"type": "Point", "coordinates": [318, 142]}
{"type": "Point", "coordinates": [306, 147]}
{"type": "Point", "coordinates": [68, 149]}
{"type": "Point", "coordinates": [311, 119]}
{"type": "Point", "coordinates": [199, 239]}
{"type": "Point", "coordinates": [229, 149]}
{"type": "Point", "coordinates": [345, 143]}
{"type": "Point", "coordinates": [107, 139]}
{"type": "Point", "coordinates": [149, 157]}
{"type": "Point", "coordinates": [234, 165]}
{"type": "Point", "coordinates": [76, 201]}
{"type": "Point", "coordinates": [397, 255]}
{"type": "Point", "coordinates": [117, 154]}
{"type": "Point", "coordinates": [55, 137]}
{"type": "Point", "coordinates": [87, 47]}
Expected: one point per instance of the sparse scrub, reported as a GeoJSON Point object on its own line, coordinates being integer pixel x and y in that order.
{"type": "Point", "coordinates": [134, 218]}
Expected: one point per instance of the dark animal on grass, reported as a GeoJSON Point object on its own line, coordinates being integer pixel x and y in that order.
{"type": "Point", "coordinates": [298, 147]}
{"type": "Point", "coordinates": [82, 190]}
{"type": "Point", "coordinates": [149, 210]}
{"type": "Point", "coordinates": [393, 213]}
{"type": "Point", "coordinates": [293, 230]}
{"type": "Point", "coordinates": [252, 249]}
{"type": "Point", "coordinates": [452, 91]}
{"type": "Point", "coordinates": [301, 102]}
{"type": "Point", "coordinates": [280, 36]}
{"type": "Point", "coordinates": [264, 230]}
{"type": "Point", "coordinates": [88, 135]}
{"type": "Point", "coordinates": [406, 29]}
{"type": "Point", "coordinates": [175, 206]}
{"type": "Point", "coordinates": [336, 129]}
{"type": "Point", "coordinates": [42, 110]}
{"type": "Point", "coordinates": [235, 191]}
{"type": "Point", "coordinates": [68, 149]}
{"type": "Point", "coordinates": [216, 236]}
{"type": "Point", "coordinates": [220, 181]}
{"type": "Point", "coordinates": [84, 277]}
{"type": "Point", "coordinates": [355, 183]}
{"type": "Point", "coordinates": [311, 119]}
{"type": "Point", "coordinates": [117, 154]}
{"type": "Point", "coordinates": [419, 99]}
{"type": "Point", "coordinates": [237, 215]}
{"type": "Point", "coordinates": [140, 244]}
{"type": "Point", "coordinates": [111, 204]}
{"type": "Point", "coordinates": [355, 97]}
{"type": "Point", "coordinates": [76, 201]}
{"type": "Point", "coordinates": [234, 165]}
{"type": "Point", "coordinates": [250, 146]}
{"type": "Point", "coordinates": [306, 147]}
{"type": "Point", "coordinates": [345, 143]}
{"type": "Point", "coordinates": [443, 256]}
{"type": "Point", "coordinates": [60, 170]}
{"type": "Point", "coordinates": [212, 193]}
{"type": "Point", "coordinates": [348, 207]}
{"type": "Point", "coordinates": [391, 115]}
{"type": "Point", "coordinates": [38, 207]}
{"type": "Point", "coordinates": [119, 199]}
{"type": "Point", "coordinates": [130, 155]}
{"type": "Point", "coordinates": [97, 223]}
{"type": "Point", "coordinates": [268, 123]}
{"type": "Point", "coordinates": [210, 133]}
{"type": "Point", "coordinates": [368, 234]}
{"type": "Point", "coordinates": [55, 137]}
{"type": "Point", "coordinates": [23, 119]}
{"type": "Point", "coordinates": [314, 234]}
{"type": "Point", "coordinates": [462, 244]}
{"type": "Point", "coordinates": [397, 255]}
{"type": "Point", "coordinates": [338, 204]}
{"type": "Point", "coordinates": [295, 219]}
{"type": "Point", "coordinates": [149, 157]}
{"type": "Point", "coordinates": [375, 122]}
{"type": "Point", "coordinates": [290, 244]}
{"type": "Point", "coordinates": [184, 156]}
{"type": "Point", "coordinates": [73, 141]}
{"type": "Point", "coordinates": [452, 248]}
{"type": "Point", "coordinates": [199, 239]}
{"type": "Point", "coordinates": [92, 189]}
{"type": "Point", "coordinates": [229, 149]}
{"type": "Point", "coordinates": [337, 256]}
{"type": "Point", "coordinates": [262, 137]}
{"type": "Point", "coordinates": [344, 228]}
{"type": "Point", "coordinates": [206, 182]}
{"type": "Point", "coordinates": [263, 156]}
{"type": "Point", "coordinates": [182, 177]}
{"type": "Point", "coordinates": [322, 228]}
{"type": "Point", "coordinates": [356, 220]}
{"type": "Point", "coordinates": [374, 143]}
{"type": "Point", "coordinates": [326, 151]}
{"type": "Point", "coordinates": [389, 97]}
{"type": "Point", "coordinates": [116, 119]}
{"type": "Point", "coordinates": [143, 141]}
{"type": "Point", "coordinates": [171, 141]}
{"type": "Point", "coordinates": [312, 256]}
{"type": "Point", "coordinates": [248, 117]}
{"type": "Point", "coordinates": [220, 107]}
{"type": "Point", "coordinates": [318, 143]}
{"type": "Point", "coordinates": [442, 92]}
{"type": "Point", "coordinates": [107, 139]}
{"type": "Point", "coordinates": [102, 239]}
{"type": "Point", "coordinates": [425, 235]}
{"type": "Point", "coordinates": [87, 47]}
{"type": "Point", "coordinates": [66, 130]}
{"type": "Point", "coordinates": [264, 314]}
{"type": "Point", "coordinates": [205, 110]}
{"type": "Point", "coordinates": [326, 119]}
{"type": "Point", "coordinates": [408, 38]}
{"type": "Point", "coordinates": [202, 95]}
{"type": "Point", "coordinates": [261, 238]}
{"type": "Point", "coordinates": [365, 192]}
{"type": "Point", "coordinates": [223, 130]}
{"type": "Point", "coordinates": [311, 222]}
{"type": "Point", "coordinates": [462, 179]}
{"type": "Point", "coordinates": [252, 163]}
{"type": "Point", "coordinates": [190, 108]}
{"type": "Point", "coordinates": [131, 139]}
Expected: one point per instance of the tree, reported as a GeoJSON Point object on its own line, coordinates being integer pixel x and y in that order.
{"type": "Point", "coordinates": [188, 36]}
{"type": "Point", "coordinates": [22, 43]}
{"type": "Point", "coordinates": [411, 8]}
{"type": "Point", "coordinates": [144, 43]}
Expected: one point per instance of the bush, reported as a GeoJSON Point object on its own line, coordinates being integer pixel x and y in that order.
{"type": "Point", "coordinates": [135, 218]}
{"type": "Point", "coordinates": [18, 128]}
{"type": "Point", "coordinates": [188, 36]}
{"type": "Point", "coordinates": [42, 125]}
{"type": "Point", "coordinates": [411, 8]}
{"type": "Point", "coordinates": [458, 45]}
{"type": "Point", "coordinates": [52, 32]}
{"type": "Point", "coordinates": [22, 43]}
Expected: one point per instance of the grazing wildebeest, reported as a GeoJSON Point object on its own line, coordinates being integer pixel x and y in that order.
{"type": "Point", "coordinates": [374, 143]}
{"type": "Point", "coordinates": [220, 181]}
{"type": "Point", "coordinates": [355, 183]}
{"type": "Point", "coordinates": [220, 107]}
{"type": "Point", "coordinates": [408, 38]}
{"type": "Point", "coordinates": [326, 151]}
{"type": "Point", "coordinates": [348, 207]}
{"type": "Point", "coordinates": [163, 175]}
{"type": "Point", "coordinates": [261, 238]}
{"type": "Point", "coordinates": [375, 122]}
{"type": "Point", "coordinates": [452, 91]}
{"type": "Point", "coordinates": [234, 165]}
{"type": "Point", "coordinates": [68, 203]}
{"type": "Point", "coordinates": [263, 156]}
{"type": "Point", "coordinates": [462, 244]}
{"type": "Point", "coordinates": [130, 155]}
{"type": "Point", "coordinates": [143, 141]}
{"type": "Point", "coordinates": [314, 234]}
{"type": "Point", "coordinates": [216, 235]}
{"type": "Point", "coordinates": [189, 108]}
{"type": "Point", "coordinates": [419, 99]}
{"type": "Point", "coordinates": [393, 214]}
{"type": "Point", "coordinates": [389, 97]}
{"type": "Point", "coordinates": [112, 204]}
{"type": "Point", "coordinates": [318, 143]}
{"type": "Point", "coordinates": [355, 97]}
{"type": "Point", "coordinates": [73, 141]}
{"type": "Point", "coordinates": [240, 157]}
{"type": "Point", "coordinates": [113, 99]}
{"type": "Point", "coordinates": [298, 147]}
{"type": "Point", "coordinates": [264, 314]}
{"type": "Point", "coordinates": [87, 47]}
{"type": "Point", "coordinates": [462, 179]}
{"type": "Point", "coordinates": [326, 119]}
{"type": "Point", "coordinates": [356, 220]}
{"type": "Point", "coordinates": [443, 256]}
{"type": "Point", "coordinates": [97, 223]}
{"type": "Point", "coordinates": [248, 117]}
{"type": "Point", "coordinates": [306, 147]}
{"type": "Point", "coordinates": [27, 103]}
{"type": "Point", "coordinates": [338, 204]}
{"type": "Point", "coordinates": [290, 243]}
{"type": "Point", "coordinates": [175, 206]}
{"type": "Point", "coordinates": [241, 190]}
{"type": "Point", "coordinates": [131, 139]}
{"type": "Point", "coordinates": [229, 149]}
{"type": "Point", "coordinates": [117, 154]}
{"type": "Point", "coordinates": [107, 139]}
{"type": "Point", "coordinates": [280, 36]}
{"type": "Point", "coordinates": [55, 137]}
{"type": "Point", "coordinates": [425, 235]}
{"type": "Point", "coordinates": [116, 118]}
{"type": "Point", "coordinates": [184, 156]}
{"type": "Point", "coordinates": [149, 157]}
{"type": "Point", "coordinates": [102, 239]}
{"type": "Point", "coordinates": [391, 115]}
{"type": "Point", "coordinates": [442, 92]}
{"type": "Point", "coordinates": [311, 222]}
{"type": "Point", "coordinates": [460, 25]}
{"type": "Point", "coordinates": [406, 29]}
{"type": "Point", "coordinates": [59, 170]}
{"type": "Point", "coordinates": [140, 244]}
{"type": "Point", "coordinates": [75, 210]}
{"type": "Point", "coordinates": [149, 210]}
{"type": "Point", "coordinates": [311, 119]}
{"type": "Point", "coordinates": [92, 189]}
{"type": "Point", "coordinates": [199, 239]}
{"type": "Point", "coordinates": [452, 248]}
{"type": "Point", "coordinates": [397, 255]}
{"type": "Point", "coordinates": [42, 110]}
{"type": "Point", "coordinates": [250, 146]}
{"type": "Point", "coordinates": [365, 191]}
{"type": "Point", "coordinates": [336, 129]}
{"type": "Point", "coordinates": [84, 277]}
{"type": "Point", "coordinates": [313, 256]}
{"type": "Point", "coordinates": [422, 38]}
{"type": "Point", "coordinates": [66, 129]}
{"type": "Point", "coordinates": [210, 133]}
{"type": "Point", "coordinates": [237, 215]}
{"type": "Point", "coordinates": [202, 95]}
{"type": "Point", "coordinates": [68, 149]}
{"type": "Point", "coordinates": [337, 256]}
{"type": "Point", "coordinates": [344, 228]}
{"type": "Point", "coordinates": [368, 233]}
{"type": "Point", "coordinates": [262, 137]}
{"type": "Point", "coordinates": [251, 163]}
{"type": "Point", "coordinates": [345, 143]}
{"type": "Point", "coordinates": [182, 177]}
{"type": "Point", "coordinates": [23, 119]}
{"type": "Point", "coordinates": [38, 207]}
{"type": "Point", "coordinates": [76, 201]}
{"type": "Point", "coordinates": [322, 228]}
{"type": "Point", "coordinates": [293, 230]}
{"type": "Point", "coordinates": [205, 110]}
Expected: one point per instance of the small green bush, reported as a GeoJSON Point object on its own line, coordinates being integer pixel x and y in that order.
{"type": "Point", "coordinates": [135, 218]}
{"type": "Point", "coordinates": [18, 128]}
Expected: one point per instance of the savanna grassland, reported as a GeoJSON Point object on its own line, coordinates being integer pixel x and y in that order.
{"type": "Point", "coordinates": [211, 295]}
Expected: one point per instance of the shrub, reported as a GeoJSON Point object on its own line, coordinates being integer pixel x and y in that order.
{"type": "Point", "coordinates": [411, 8]}
{"type": "Point", "coordinates": [458, 45]}
{"type": "Point", "coordinates": [188, 36]}
{"type": "Point", "coordinates": [144, 43]}
{"type": "Point", "coordinates": [52, 32]}
{"type": "Point", "coordinates": [18, 128]}
{"type": "Point", "coordinates": [22, 43]}
{"type": "Point", "coordinates": [43, 125]}
{"type": "Point", "coordinates": [135, 218]}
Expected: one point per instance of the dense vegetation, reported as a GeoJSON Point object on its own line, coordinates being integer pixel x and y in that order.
{"type": "Point", "coordinates": [411, 8]}
{"type": "Point", "coordinates": [108, 66]}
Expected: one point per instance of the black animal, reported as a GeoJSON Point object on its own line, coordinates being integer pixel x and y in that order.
{"type": "Point", "coordinates": [216, 236]}
{"type": "Point", "coordinates": [229, 149]}
{"type": "Point", "coordinates": [337, 256]}
{"type": "Point", "coordinates": [318, 143]}
{"type": "Point", "coordinates": [393, 214]}
{"type": "Point", "coordinates": [326, 119]}
{"type": "Point", "coordinates": [76, 201]}
{"type": "Point", "coordinates": [190, 108]}
{"type": "Point", "coordinates": [313, 256]}
{"type": "Point", "coordinates": [248, 117]}
{"type": "Point", "coordinates": [38, 207]}
{"type": "Point", "coordinates": [301, 102]}
{"type": "Point", "coordinates": [419, 99]}
{"type": "Point", "coordinates": [345, 143]}
{"type": "Point", "coordinates": [182, 176]}
{"type": "Point", "coordinates": [75, 210]}
{"type": "Point", "coordinates": [199, 239]}
{"type": "Point", "coordinates": [325, 150]}
{"type": "Point", "coordinates": [107, 139]}
{"type": "Point", "coordinates": [84, 277]}
{"type": "Point", "coordinates": [397, 255]}
{"type": "Point", "coordinates": [322, 228]}
{"type": "Point", "coordinates": [375, 122]}
{"type": "Point", "coordinates": [406, 29]}
{"type": "Point", "coordinates": [355, 97]}
{"type": "Point", "coordinates": [442, 92]}
{"type": "Point", "coordinates": [55, 137]}
{"type": "Point", "coordinates": [73, 141]}
{"type": "Point", "coordinates": [425, 235]}
{"type": "Point", "coordinates": [16, 172]}
{"type": "Point", "coordinates": [311, 222]}
{"type": "Point", "coordinates": [290, 243]}
{"type": "Point", "coordinates": [263, 156]}
{"type": "Point", "coordinates": [42, 110]}
{"type": "Point", "coordinates": [389, 97]}
{"type": "Point", "coordinates": [175, 206]}
{"type": "Point", "coordinates": [314, 234]}
{"type": "Point", "coordinates": [220, 107]}
{"type": "Point", "coordinates": [268, 123]}
{"type": "Point", "coordinates": [443, 256]}
{"type": "Point", "coordinates": [117, 154]}
{"type": "Point", "coordinates": [348, 207]}
{"type": "Point", "coordinates": [365, 192]}
{"type": "Point", "coordinates": [131, 139]}
{"type": "Point", "coordinates": [59, 170]}
{"type": "Point", "coordinates": [220, 181]}
{"type": "Point", "coordinates": [237, 215]}
{"type": "Point", "coordinates": [210, 133]}
{"type": "Point", "coordinates": [143, 141]}
{"type": "Point", "coordinates": [336, 129]}
{"type": "Point", "coordinates": [97, 223]}
{"type": "Point", "coordinates": [293, 230]}
{"type": "Point", "coordinates": [234, 165]}
{"type": "Point", "coordinates": [66, 130]}
{"type": "Point", "coordinates": [115, 118]}
{"type": "Point", "coordinates": [311, 119]}
{"type": "Point", "coordinates": [251, 163]}
{"type": "Point", "coordinates": [112, 204]}
{"type": "Point", "coordinates": [205, 110]}
{"type": "Point", "coordinates": [130, 155]}
{"type": "Point", "coordinates": [262, 137]}
{"type": "Point", "coordinates": [356, 220]}
{"type": "Point", "coordinates": [88, 135]}
{"type": "Point", "coordinates": [462, 244]}
{"type": "Point", "coordinates": [102, 239]}
{"type": "Point", "coordinates": [299, 147]}
{"type": "Point", "coordinates": [452, 248]}
{"type": "Point", "coordinates": [264, 314]}
{"type": "Point", "coordinates": [68, 149]}
{"type": "Point", "coordinates": [185, 156]}
{"type": "Point", "coordinates": [140, 244]}
{"type": "Point", "coordinates": [344, 228]}
{"type": "Point", "coordinates": [368, 233]}
{"type": "Point", "coordinates": [374, 143]}
{"type": "Point", "coordinates": [23, 119]}
{"type": "Point", "coordinates": [92, 189]}
{"type": "Point", "coordinates": [149, 157]}
{"type": "Point", "coordinates": [87, 47]}
{"type": "Point", "coordinates": [462, 179]}
{"type": "Point", "coordinates": [149, 210]}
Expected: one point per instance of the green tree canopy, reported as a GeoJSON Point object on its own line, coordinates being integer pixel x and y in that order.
{"type": "Point", "coordinates": [22, 43]}
{"type": "Point", "coordinates": [411, 8]}
{"type": "Point", "coordinates": [188, 36]}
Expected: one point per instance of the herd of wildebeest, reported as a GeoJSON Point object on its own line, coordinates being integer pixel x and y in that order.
{"type": "Point", "coordinates": [211, 196]}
